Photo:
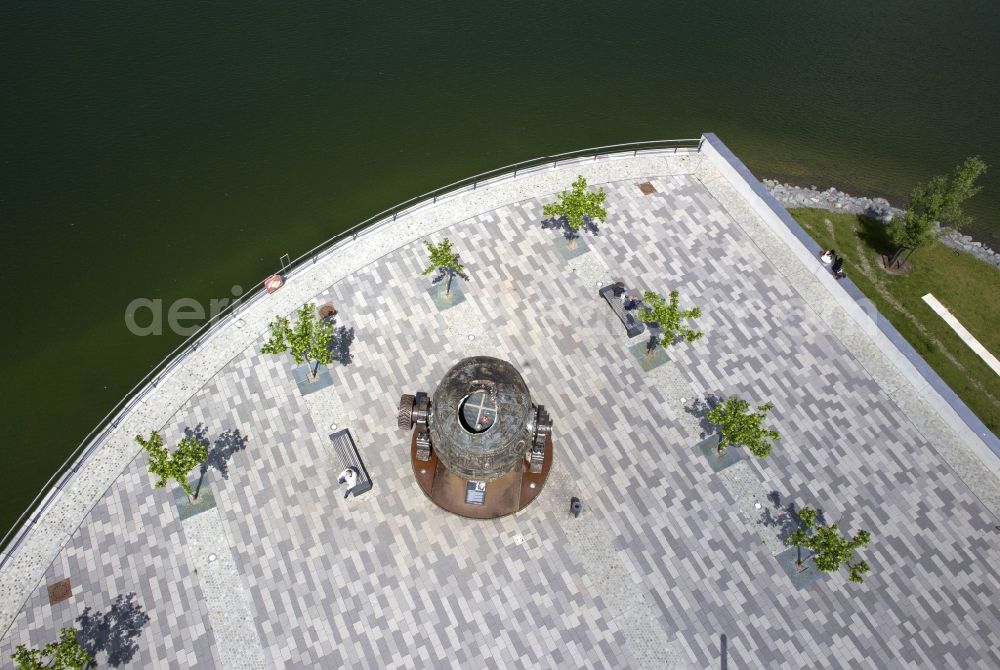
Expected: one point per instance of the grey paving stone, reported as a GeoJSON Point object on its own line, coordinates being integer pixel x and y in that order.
{"type": "Point", "coordinates": [668, 558]}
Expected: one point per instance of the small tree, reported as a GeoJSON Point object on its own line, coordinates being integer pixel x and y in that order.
{"type": "Point", "coordinates": [669, 316]}
{"type": "Point", "coordinates": [938, 201]}
{"type": "Point", "coordinates": [66, 654]}
{"type": "Point", "coordinates": [830, 549]}
{"type": "Point", "coordinates": [444, 259]}
{"type": "Point", "coordinates": [308, 341]}
{"type": "Point", "coordinates": [190, 453]}
{"type": "Point", "coordinates": [739, 425]}
{"type": "Point", "coordinates": [577, 207]}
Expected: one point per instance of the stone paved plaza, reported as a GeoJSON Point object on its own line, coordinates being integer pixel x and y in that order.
{"type": "Point", "coordinates": [668, 555]}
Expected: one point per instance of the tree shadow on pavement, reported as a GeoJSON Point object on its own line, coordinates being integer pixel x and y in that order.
{"type": "Point", "coordinates": [113, 632]}
{"type": "Point", "coordinates": [784, 518]}
{"type": "Point", "coordinates": [562, 223]}
{"type": "Point", "coordinates": [225, 446]}
{"type": "Point", "coordinates": [700, 408]}
{"type": "Point", "coordinates": [199, 432]}
{"type": "Point", "coordinates": [340, 345]}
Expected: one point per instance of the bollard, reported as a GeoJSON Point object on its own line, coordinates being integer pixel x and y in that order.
{"type": "Point", "coordinates": [575, 506]}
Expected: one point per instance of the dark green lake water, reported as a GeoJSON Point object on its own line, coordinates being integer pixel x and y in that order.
{"type": "Point", "coordinates": [174, 149]}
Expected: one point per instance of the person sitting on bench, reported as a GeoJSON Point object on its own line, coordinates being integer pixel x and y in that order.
{"type": "Point", "coordinates": [350, 477]}
{"type": "Point", "coordinates": [838, 268]}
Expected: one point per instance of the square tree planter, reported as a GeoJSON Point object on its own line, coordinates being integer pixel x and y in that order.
{"type": "Point", "coordinates": [648, 362]}
{"type": "Point", "coordinates": [300, 373]}
{"type": "Point", "coordinates": [206, 500]}
{"type": "Point", "coordinates": [566, 251]}
{"type": "Point", "coordinates": [800, 580]}
{"type": "Point", "coordinates": [709, 448]}
{"type": "Point", "coordinates": [442, 301]}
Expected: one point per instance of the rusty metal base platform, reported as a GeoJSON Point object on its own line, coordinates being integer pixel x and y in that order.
{"type": "Point", "coordinates": [506, 495]}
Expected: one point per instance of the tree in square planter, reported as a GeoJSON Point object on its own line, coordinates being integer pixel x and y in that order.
{"type": "Point", "coordinates": [740, 425]}
{"type": "Point", "coordinates": [577, 208]}
{"type": "Point", "coordinates": [669, 318]}
{"type": "Point", "coordinates": [308, 341]}
{"type": "Point", "coordinates": [190, 452]}
{"type": "Point", "coordinates": [443, 259]}
{"type": "Point", "coordinates": [66, 654]}
{"type": "Point", "coordinates": [830, 549]}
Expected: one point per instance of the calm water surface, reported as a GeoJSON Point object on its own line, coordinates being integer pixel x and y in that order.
{"type": "Point", "coordinates": [174, 149]}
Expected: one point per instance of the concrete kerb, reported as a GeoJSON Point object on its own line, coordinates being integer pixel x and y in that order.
{"type": "Point", "coordinates": [69, 506]}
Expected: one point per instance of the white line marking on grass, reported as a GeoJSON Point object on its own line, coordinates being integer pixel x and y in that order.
{"type": "Point", "coordinates": [966, 336]}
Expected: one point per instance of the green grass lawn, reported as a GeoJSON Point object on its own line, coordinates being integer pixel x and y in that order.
{"type": "Point", "coordinates": [968, 287]}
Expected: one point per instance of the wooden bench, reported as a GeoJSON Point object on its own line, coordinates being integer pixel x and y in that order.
{"type": "Point", "coordinates": [346, 453]}
{"type": "Point", "coordinates": [631, 322]}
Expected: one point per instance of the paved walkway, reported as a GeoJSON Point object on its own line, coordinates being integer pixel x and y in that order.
{"type": "Point", "coordinates": [962, 332]}
{"type": "Point", "coordinates": [668, 555]}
